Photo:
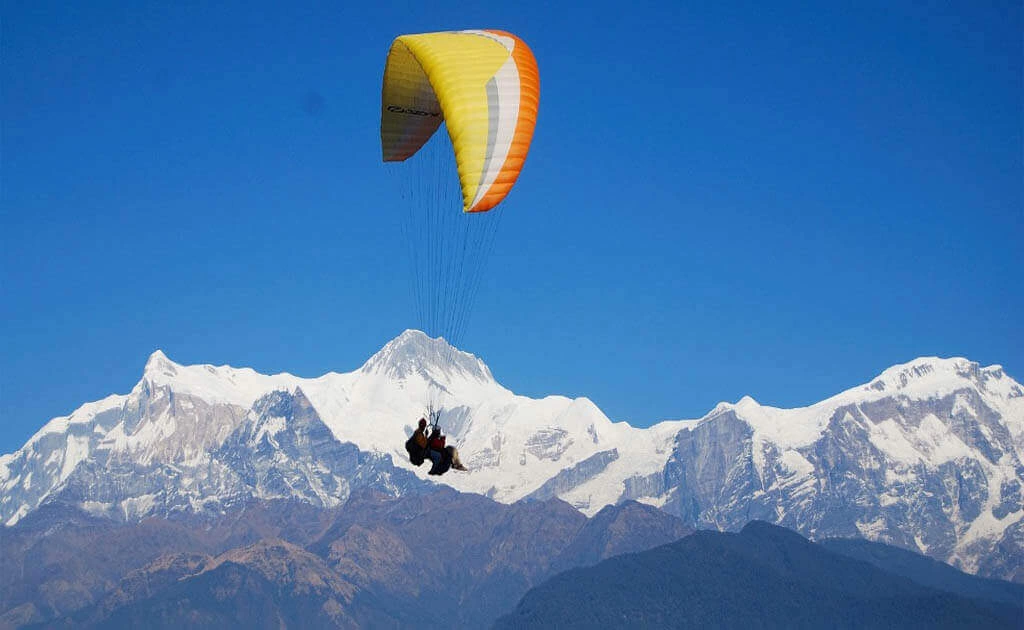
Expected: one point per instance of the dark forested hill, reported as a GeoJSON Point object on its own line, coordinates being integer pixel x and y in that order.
{"type": "Point", "coordinates": [762, 577]}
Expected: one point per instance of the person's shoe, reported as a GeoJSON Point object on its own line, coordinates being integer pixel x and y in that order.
{"type": "Point", "coordinates": [459, 467]}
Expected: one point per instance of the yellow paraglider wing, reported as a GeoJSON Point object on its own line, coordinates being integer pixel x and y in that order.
{"type": "Point", "coordinates": [484, 85]}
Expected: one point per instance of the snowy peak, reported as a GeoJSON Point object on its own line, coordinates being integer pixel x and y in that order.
{"type": "Point", "coordinates": [159, 366]}
{"type": "Point", "coordinates": [936, 376]}
{"type": "Point", "coordinates": [413, 352]}
{"type": "Point", "coordinates": [928, 456]}
{"type": "Point", "coordinates": [925, 380]}
{"type": "Point", "coordinates": [221, 384]}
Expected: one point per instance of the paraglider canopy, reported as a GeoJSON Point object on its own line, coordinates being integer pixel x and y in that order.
{"type": "Point", "coordinates": [484, 85]}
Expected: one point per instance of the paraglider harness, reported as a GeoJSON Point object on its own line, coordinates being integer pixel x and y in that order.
{"type": "Point", "coordinates": [418, 454]}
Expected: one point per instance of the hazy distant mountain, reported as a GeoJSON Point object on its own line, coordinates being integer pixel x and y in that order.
{"type": "Point", "coordinates": [763, 577]}
{"type": "Point", "coordinates": [433, 560]}
{"type": "Point", "coordinates": [927, 456]}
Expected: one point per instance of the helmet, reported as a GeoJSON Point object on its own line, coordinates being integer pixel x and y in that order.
{"type": "Point", "coordinates": [423, 422]}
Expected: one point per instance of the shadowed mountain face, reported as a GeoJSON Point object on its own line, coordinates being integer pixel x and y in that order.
{"type": "Point", "coordinates": [763, 577]}
{"type": "Point", "coordinates": [375, 561]}
{"type": "Point", "coordinates": [927, 572]}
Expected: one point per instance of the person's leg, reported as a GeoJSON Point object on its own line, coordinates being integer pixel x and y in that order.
{"type": "Point", "coordinates": [436, 458]}
{"type": "Point", "coordinates": [456, 462]}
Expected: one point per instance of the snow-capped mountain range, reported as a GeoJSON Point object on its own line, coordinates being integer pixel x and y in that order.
{"type": "Point", "coordinates": [927, 456]}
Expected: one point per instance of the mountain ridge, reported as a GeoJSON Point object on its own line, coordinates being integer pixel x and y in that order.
{"type": "Point", "coordinates": [378, 558]}
{"type": "Point", "coordinates": [926, 455]}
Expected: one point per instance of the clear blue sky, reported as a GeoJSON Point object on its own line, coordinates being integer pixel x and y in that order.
{"type": "Point", "coordinates": [773, 199]}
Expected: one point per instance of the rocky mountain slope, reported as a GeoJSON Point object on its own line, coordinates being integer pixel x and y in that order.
{"type": "Point", "coordinates": [438, 559]}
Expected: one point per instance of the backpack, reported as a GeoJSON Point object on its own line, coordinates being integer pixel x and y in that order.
{"type": "Point", "coordinates": [416, 454]}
